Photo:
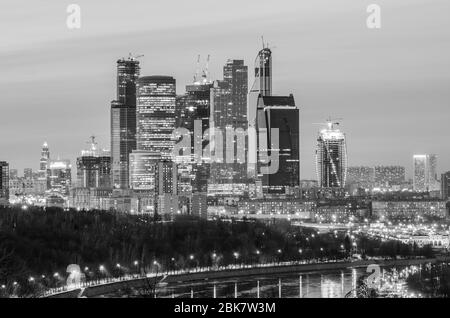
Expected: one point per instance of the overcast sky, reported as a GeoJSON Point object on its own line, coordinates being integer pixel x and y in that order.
{"type": "Point", "coordinates": [391, 86]}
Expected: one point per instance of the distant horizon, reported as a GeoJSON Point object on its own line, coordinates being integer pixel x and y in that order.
{"type": "Point", "coordinates": [390, 85]}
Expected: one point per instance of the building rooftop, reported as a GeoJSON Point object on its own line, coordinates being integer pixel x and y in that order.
{"type": "Point", "coordinates": [278, 100]}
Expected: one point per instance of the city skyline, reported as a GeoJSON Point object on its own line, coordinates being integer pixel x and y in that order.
{"type": "Point", "coordinates": [308, 62]}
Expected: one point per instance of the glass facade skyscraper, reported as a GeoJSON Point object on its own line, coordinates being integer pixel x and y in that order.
{"type": "Point", "coordinates": [143, 167]}
{"type": "Point", "coordinates": [425, 173]}
{"type": "Point", "coordinates": [331, 157]}
{"type": "Point", "coordinates": [194, 106]}
{"type": "Point", "coordinates": [123, 121]}
{"type": "Point", "coordinates": [155, 114]}
{"type": "Point", "coordinates": [281, 113]}
{"type": "Point", "coordinates": [262, 86]}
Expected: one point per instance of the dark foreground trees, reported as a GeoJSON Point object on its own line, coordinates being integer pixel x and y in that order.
{"type": "Point", "coordinates": [37, 245]}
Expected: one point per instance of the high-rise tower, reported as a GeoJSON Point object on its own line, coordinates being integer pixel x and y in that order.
{"type": "Point", "coordinates": [425, 173]}
{"type": "Point", "coordinates": [262, 86]}
{"type": "Point", "coordinates": [155, 114]}
{"type": "Point", "coordinates": [331, 157]}
{"type": "Point", "coordinates": [123, 121]}
{"type": "Point", "coordinates": [279, 140]}
{"type": "Point", "coordinates": [94, 167]}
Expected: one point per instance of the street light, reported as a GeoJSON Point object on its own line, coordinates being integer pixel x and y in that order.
{"type": "Point", "coordinates": [101, 268]}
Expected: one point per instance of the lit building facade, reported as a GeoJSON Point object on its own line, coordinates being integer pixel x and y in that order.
{"type": "Point", "coordinates": [166, 173]}
{"type": "Point", "coordinates": [43, 163]}
{"type": "Point", "coordinates": [387, 176]}
{"type": "Point", "coordinates": [361, 177]}
{"type": "Point", "coordinates": [445, 186]}
{"type": "Point", "coordinates": [277, 208]}
{"type": "Point", "coordinates": [331, 157]}
{"type": "Point", "coordinates": [408, 209]}
{"type": "Point", "coordinates": [143, 171]}
{"type": "Point", "coordinates": [59, 175]}
{"type": "Point", "coordinates": [262, 86]}
{"type": "Point", "coordinates": [155, 114]}
{"type": "Point", "coordinates": [94, 170]}
{"type": "Point", "coordinates": [123, 121]}
{"type": "Point", "coordinates": [4, 183]}
{"type": "Point", "coordinates": [425, 173]}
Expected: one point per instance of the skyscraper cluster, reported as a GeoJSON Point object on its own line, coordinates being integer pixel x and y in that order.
{"type": "Point", "coordinates": [214, 144]}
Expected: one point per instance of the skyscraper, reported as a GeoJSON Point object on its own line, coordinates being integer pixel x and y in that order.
{"type": "Point", "coordinates": [166, 177]}
{"type": "Point", "coordinates": [279, 113]}
{"type": "Point", "coordinates": [262, 86]}
{"type": "Point", "coordinates": [59, 174]}
{"type": "Point", "coordinates": [445, 186]}
{"type": "Point", "coordinates": [425, 173]}
{"type": "Point", "coordinates": [331, 157]}
{"type": "Point", "coordinates": [235, 73]}
{"type": "Point", "coordinates": [123, 121]}
{"type": "Point", "coordinates": [143, 169]}
{"type": "Point", "coordinates": [197, 105]}
{"type": "Point", "coordinates": [94, 168]}
{"type": "Point", "coordinates": [43, 163]}
{"type": "Point", "coordinates": [4, 183]}
{"type": "Point", "coordinates": [155, 114]}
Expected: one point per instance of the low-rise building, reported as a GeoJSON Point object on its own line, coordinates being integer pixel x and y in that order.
{"type": "Point", "coordinates": [409, 209]}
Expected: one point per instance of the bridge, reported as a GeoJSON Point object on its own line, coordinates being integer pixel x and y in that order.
{"type": "Point", "coordinates": [108, 285]}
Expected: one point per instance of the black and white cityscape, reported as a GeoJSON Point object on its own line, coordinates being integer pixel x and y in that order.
{"type": "Point", "coordinates": [275, 171]}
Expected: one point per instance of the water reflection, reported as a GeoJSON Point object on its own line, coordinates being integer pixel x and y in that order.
{"type": "Point", "coordinates": [333, 284]}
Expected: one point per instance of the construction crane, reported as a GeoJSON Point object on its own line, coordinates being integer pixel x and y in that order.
{"type": "Point", "coordinates": [134, 57]}
{"type": "Point", "coordinates": [206, 70]}
{"type": "Point", "coordinates": [330, 122]}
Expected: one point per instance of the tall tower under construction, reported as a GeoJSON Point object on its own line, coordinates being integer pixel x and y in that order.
{"type": "Point", "coordinates": [331, 157]}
